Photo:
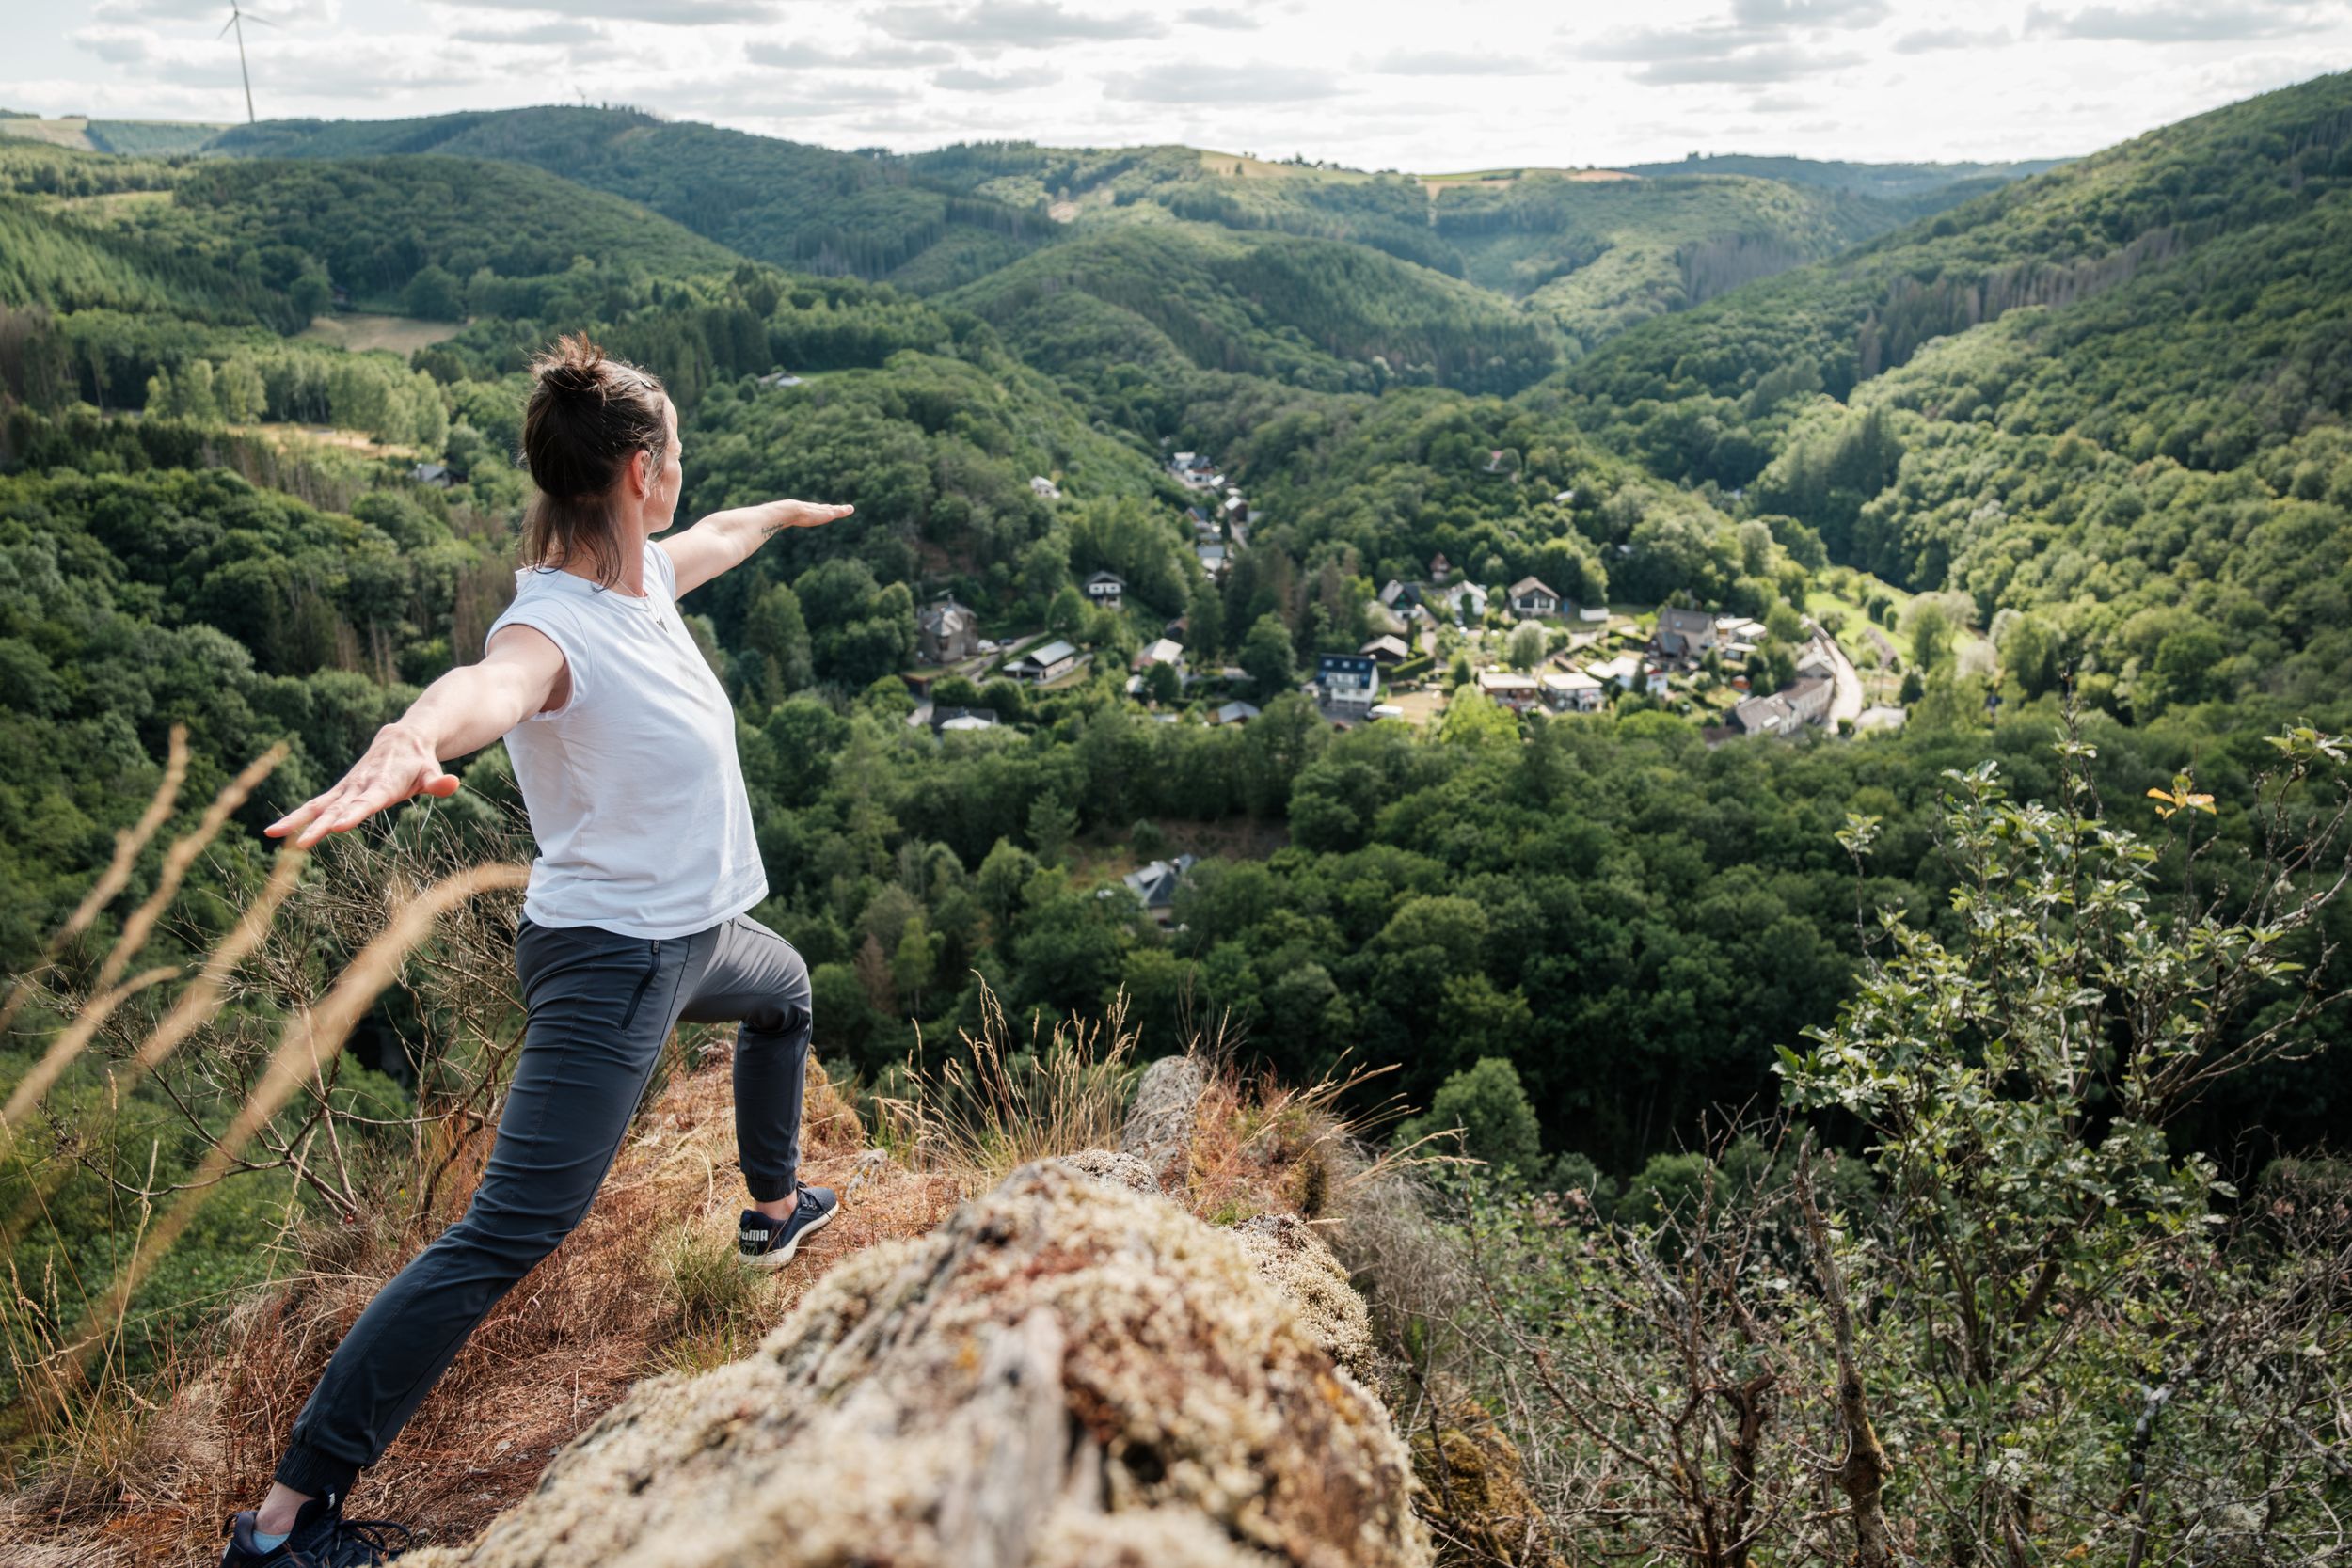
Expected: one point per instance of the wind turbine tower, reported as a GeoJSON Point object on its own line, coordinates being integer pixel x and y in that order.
{"type": "Point", "coordinates": [237, 19]}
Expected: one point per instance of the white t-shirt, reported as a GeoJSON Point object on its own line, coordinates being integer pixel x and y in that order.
{"type": "Point", "coordinates": [635, 793]}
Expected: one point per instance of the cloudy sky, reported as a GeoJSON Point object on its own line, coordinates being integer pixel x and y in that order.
{"type": "Point", "coordinates": [1466, 83]}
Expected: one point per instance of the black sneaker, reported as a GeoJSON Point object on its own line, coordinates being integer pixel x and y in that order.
{"type": "Point", "coordinates": [321, 1537]}
{"type": "Point", "coordinates": [766, 1244]}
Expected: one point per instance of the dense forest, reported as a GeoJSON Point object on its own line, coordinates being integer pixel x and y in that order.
{"type": "Point", "coordinates": [2045, 449]}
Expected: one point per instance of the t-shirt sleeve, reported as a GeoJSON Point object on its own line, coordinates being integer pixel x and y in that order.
{"type": "Point", "coordinates": [663, 567]}
{"type": "Point", "coordinates": [551, 619]}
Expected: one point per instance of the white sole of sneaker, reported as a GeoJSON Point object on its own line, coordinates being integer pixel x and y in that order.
{"type": "Point", "coordinates": [779, 1257]}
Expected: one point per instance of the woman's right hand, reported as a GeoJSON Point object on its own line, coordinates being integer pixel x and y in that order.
{"type": "Point", "coordinates": [398, 766]}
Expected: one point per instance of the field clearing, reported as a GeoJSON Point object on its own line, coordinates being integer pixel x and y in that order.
{"type": "Point", "coordinates": [1433, 184]}
{"type": "Point", "coordinates": [1236, 166]}
{"type": "Point", "coordinates": [73, 133]}
{"type": "Point", "coordinates": [288, 434]}
{"type": "Point", "coordinates": [361, 330]}
{"type": "Point", "coordinates": [114, 206]}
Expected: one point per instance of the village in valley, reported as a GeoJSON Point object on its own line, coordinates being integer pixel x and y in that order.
{"type": "Point", "coordinates": [1523, 647]}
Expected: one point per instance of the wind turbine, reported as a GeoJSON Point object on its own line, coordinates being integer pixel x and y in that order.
{"type": "Point", "coordinates": [237, 19]}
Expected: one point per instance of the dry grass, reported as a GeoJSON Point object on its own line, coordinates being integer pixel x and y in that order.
{"type": "Point", "coordinates": [1006, 1101]}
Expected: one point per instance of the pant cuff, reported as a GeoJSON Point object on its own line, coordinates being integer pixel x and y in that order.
{"type": "Point", "coordinates": [316, 1473]}
{"type": "Point", "coordinates": [768, 1188]}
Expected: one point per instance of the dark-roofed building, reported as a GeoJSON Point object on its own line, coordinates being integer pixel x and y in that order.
{"type": "Point", "coordinates": [1809, 698]}
{"type": "Point", "coordinates": [1107, 589]}
{"type": "Point", "coordinates": [1347, 684]}
{"type": "Point", "coordinates": [1155, 884]}
{"type": "Point", "coordinates": [947, 632]}
{"type": "Point", "coordinates": [1686, 634]}
{"type": "Point", "coordinates": [1764, 715]}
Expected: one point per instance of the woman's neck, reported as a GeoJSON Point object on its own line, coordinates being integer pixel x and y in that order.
{"type": "Point", "coordinates": [629, 536]}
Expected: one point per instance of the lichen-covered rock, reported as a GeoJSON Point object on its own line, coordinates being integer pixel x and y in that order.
{"type": "Point", "coordinates": [1119, 1169]}
{"type": "Point", "coordinates": [1066, 1373]}
{"type": "Point", "coordinates": [1167, 1105]}
{"type": "Point", "coordinates": [1291, 1257]}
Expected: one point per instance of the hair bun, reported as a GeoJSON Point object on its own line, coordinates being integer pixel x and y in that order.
{"type": "Point", "coordinates": [575, 367]}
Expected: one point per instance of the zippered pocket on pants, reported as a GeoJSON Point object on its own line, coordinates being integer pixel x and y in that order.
{"type": "Point", "coordinates": [653, 965]}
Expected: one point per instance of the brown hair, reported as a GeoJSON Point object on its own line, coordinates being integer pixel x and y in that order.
{"type": "Point", "coordinates": [588, 416]}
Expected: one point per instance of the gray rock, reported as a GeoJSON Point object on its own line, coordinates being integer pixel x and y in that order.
{"type": "Point", "coordinates": [1160, 1124]}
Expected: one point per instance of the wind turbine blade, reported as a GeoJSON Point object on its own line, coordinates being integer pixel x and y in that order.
{"type": "Point", "coordinates": [262, 20]}
{"type": "Point", "coordinates": [225, 27]}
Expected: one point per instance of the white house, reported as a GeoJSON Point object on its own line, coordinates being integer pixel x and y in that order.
{"type": "Point", "coordinates": [1624, 670]}
{"type": "Point", "coordinates": [1044, 489]}
{"type": "Point", "coordinates": [1106, 589]}
{"type": "Point", "coordinates": [1347, 683]}
{"type": "Point", "coordinates": [1508, 689]}
{"type": "Point", "coordinates": [1050, 662]}
{"type": "Point", "coordinates": [1532, 596]}
{"type": "Point", "coordinates": [1166, 650]}
{"type": "Point", "coordinates": [1571, 691]}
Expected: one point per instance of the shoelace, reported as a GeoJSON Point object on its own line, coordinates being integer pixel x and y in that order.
{"type": "Point", "coordinates": [361, 1543]}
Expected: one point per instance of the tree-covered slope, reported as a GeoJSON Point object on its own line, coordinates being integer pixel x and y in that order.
{"type": "Point", "coordinates": [2055, 240]}
{"type": "Point", "coordinates": [809, 208]}
{"type": "Point", "coordinates": [1894, 180]}
{"type": "Point", "coordinates": [1600, 255]}
{"type": "Point", "coordinates": [2109, 403]}
{"type": "Point", "coordinates": [1089, 188]}
{"type": "Point", "coordinates": [1313, 313]}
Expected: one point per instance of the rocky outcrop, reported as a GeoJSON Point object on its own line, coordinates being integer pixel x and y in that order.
{"type": "Point", "coordinates": [1289, 1255]}
{"type": "Point", "coordinates": [1160, 1123]}
{"type": "Point", "coordinates": [1070, 1371]}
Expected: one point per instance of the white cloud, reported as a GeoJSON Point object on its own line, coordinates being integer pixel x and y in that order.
{"type": "Point", "coordinates": [1810, 13]}
{"type": "Point", "coordinates": [533, 34]}
{"type": "Point", "coordinates": [1208, 81]}
{"type": "Point", "coordinates": [1455, 62]}
{"type": "Point", "coordinates": [116, 45]}
{"type": "Point", "coordinates": [2174, 20]}
{"type": "Point", "coordinates": [1218, 17]}
{"type": "Point", "coordinates": [802, 54]}
{"type": "Point", "coordinates": [966, 79]}
{"type": "Point", "coordinates": [1927, 40]}
{"type": "Point", "coordinates": [1016, 23]}
{"type": "Point", "coordinates": [672, 13]}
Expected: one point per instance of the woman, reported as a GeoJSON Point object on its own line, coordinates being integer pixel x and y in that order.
{"type": "Point", "coordinates": [623, 746]}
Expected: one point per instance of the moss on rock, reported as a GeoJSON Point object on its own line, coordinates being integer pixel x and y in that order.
{"type": "Point", "coordinates": [1069, 1372]}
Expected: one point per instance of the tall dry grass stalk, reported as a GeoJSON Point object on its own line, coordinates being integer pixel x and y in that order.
{"type": "Point", "coordinates": [190, 1011]}
{"type": "Point", "coordinates": [1008, 1100]}
{"type": "Point", "coordinates": [71, 1041]}
{"type": "Point", "coordinates": [309, 1042]}
{"type": "Point", "coordinates": [112, 881]}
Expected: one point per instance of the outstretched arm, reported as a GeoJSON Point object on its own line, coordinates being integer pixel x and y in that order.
{"type": "Point", "coordinates": [465, 710]}
{"type": "Point", "coordinates": [726, 539]}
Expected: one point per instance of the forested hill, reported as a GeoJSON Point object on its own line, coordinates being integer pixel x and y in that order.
{"type": "Point", "coordinates": [2139, 482]}
{"type": "Point", "coordinates": [1881, 180]}
{"type": "Point", "coordinates": [809, 208]}
{"type": "Point", "coordinates": [1591, 256]}
{"type": "Point", "coordinates": [2107, 402]}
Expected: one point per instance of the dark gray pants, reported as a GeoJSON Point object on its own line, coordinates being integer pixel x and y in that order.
{"type": "Point", "coordinates": [600, 1006]}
